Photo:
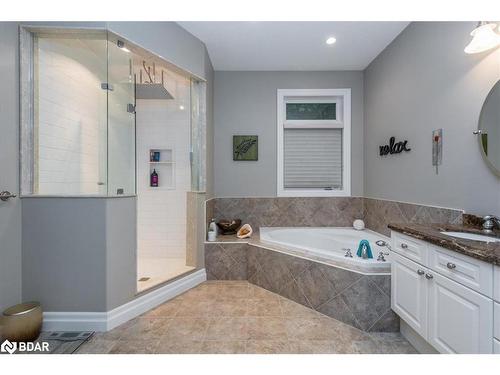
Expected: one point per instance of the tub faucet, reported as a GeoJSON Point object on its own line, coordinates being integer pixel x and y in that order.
{"type": "Point", "coordinates": [348, 253]}
{"type": "Point", "coordinates": [489, 222]}
{"type": "Point", "coordinates": [383, 243]}
{"type": "Point", "coordinates": [381, 257]}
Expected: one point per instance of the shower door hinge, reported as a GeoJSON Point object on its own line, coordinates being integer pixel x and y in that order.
{"type": "Point", "coordinates": [130, 108]}
{"type": "Point", "coordinates": [107, 86]}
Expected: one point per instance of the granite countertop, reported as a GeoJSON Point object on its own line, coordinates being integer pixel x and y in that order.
{"type": "Point", "coordinates": [485, 251]}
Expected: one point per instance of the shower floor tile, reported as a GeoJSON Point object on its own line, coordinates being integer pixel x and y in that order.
{"type": "Point", "coordinates": [158, 270]}
{"type": "Point", "coordinates": [238, 317]}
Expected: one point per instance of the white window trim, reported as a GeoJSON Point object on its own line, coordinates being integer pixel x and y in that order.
{"type": "Point", "coordinates": [345, 124]}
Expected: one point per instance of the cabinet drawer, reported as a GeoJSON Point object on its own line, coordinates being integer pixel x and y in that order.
{"type": "Point", "coordinates": [473, 273]}
{"type": "Point", "coordinates": [496, 320]}
{"type": "Point", "coordinates": [496, 284]}
{"type": "Point", "coordinates": [496, 346]}
{"type": "Point", "coordinates": [409, 247]}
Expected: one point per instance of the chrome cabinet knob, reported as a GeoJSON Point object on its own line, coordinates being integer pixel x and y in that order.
{"type": "Point", "coordinates": [5, 195]}
{"type": "Point", "coordinates": [404, 246]}
{"type": "Point", "coordinates": [420, 272]}
{"type": "Point", "coordinates": [428, 276]}
{"type": "Point", "coordinates": [451, 266]}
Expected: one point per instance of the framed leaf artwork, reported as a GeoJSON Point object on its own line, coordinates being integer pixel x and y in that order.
{"type": "Point", "coordinates": [245, 147]}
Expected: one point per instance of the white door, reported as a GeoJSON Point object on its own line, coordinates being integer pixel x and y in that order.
{"type": "Point", "coordinates": [409, 293]}
{"type": "Point", "coordinates": [460, 320]}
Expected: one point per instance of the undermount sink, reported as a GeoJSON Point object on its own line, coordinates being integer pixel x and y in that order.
{"type": "Point", "coordinates": [471, 236]}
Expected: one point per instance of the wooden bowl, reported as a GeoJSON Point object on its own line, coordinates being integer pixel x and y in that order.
{"type": "Point", "coordinates": [229, 227]}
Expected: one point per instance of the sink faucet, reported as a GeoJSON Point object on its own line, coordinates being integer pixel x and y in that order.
{"type": "Point", "coordinates": [489, 222]}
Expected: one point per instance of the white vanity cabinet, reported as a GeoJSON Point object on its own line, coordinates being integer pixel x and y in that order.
{"type": "Point", "coordinates": [446, 297]}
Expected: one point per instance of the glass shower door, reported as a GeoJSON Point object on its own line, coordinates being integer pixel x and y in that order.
{"type": "Point", "coordinates": [121, 120]}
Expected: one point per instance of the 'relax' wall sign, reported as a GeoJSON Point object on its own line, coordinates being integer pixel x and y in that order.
{"type": "Point", "coordinates": [394, 147]}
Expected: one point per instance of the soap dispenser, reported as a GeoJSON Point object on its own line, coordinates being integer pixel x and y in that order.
{"type": "Point", "coordinates": [212, 227]}
{"type": "Point", "coordinates": [153, 182]}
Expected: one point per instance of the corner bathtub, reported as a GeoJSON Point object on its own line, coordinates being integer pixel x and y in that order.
{"type": "Point", "coordinates": [327, 244]}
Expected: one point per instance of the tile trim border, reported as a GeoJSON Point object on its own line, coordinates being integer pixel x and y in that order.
{"type": "Point", "coordinates": [105, 321]}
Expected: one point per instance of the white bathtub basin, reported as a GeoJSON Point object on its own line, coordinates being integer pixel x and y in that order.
{"type": "Point", "coordinates": [330, 243]}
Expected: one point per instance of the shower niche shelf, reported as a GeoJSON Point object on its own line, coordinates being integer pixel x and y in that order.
{"type": "Point", "coordinates": [162, 161]}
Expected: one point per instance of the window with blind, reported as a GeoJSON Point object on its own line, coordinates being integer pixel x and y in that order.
{"type": "Point", "coordinates": [314, 142]}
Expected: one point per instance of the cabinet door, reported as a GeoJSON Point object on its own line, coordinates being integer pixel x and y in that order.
{"type": "Point", "coordinates": [460, 320]}
{"type": "Point", "coordinates": [409, 293]}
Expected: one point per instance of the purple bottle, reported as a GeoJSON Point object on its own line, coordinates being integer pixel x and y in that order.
{"type": "Point", "coordinates": [154, 179]}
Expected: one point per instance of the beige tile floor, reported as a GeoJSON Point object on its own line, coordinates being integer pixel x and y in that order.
{"type": "Point", "coordinates": [238, 317]}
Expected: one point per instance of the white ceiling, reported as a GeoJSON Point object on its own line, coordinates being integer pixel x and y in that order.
{"type": "Point", "coordinates": [293, 45]}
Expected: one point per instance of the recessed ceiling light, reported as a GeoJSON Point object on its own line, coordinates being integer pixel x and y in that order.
{"type": "Point", "coordinates": [121, 45]}
{"type": "Point", "coordinates": [331, 40]}
{"type": "Point", "coordinates": [181, 107]}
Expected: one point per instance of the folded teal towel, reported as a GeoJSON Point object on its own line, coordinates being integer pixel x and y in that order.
{"type": "Point", "coordinates": [362, 245]}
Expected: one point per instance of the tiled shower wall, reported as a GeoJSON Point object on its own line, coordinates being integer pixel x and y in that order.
{"type": "Point", "coordinates": [327, 212]}
{"type": "Point", "coordinates": [161, 212]}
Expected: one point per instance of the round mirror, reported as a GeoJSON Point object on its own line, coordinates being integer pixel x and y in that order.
{"type": "Point", "coordinates": [489, 129]}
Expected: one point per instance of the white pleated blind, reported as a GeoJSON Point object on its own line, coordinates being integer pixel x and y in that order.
{"type": "Point", "coordinates": [312, 158]}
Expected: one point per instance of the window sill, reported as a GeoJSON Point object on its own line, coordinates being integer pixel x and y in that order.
{"type": "Point", "coordinates": [312, 193]}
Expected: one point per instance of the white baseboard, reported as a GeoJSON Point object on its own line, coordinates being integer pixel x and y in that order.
{"type": "Point", "coordinates": [105, 321]}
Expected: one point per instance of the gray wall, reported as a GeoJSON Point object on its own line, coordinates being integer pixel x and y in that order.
{"type": "Point", "coordinates": [245, 103]}
{"type": "Point", "coordinates": [166, 39]}
{"type": "Point", "coordinates": [10, 211]}
{"type": "Point", "coordinates": [424, 81]}
{"type": "Point", "coordinates": [79, 254]}
{"type": "Point", "coordinates": [121, 243]}
{"type": "Point", "coordinates": [64, 253]}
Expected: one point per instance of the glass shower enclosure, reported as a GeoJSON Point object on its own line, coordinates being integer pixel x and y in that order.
{"type": "Point", "coordinates": [92, 125]}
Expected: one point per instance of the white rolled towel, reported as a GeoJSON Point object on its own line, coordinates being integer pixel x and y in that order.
{"type": "Point", "coordinates": [358, 224]}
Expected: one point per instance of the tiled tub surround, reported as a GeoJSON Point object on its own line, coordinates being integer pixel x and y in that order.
{"type": "Point", "coordinates": [378, 213]}
{"type": "Point", "coordinates": [327, 212]}
{"type": "Point", "coordinates": [288, 212]}
{"type": "Point", "coordinates": [362, 301]}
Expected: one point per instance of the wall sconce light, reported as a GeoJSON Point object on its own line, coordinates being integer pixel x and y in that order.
{"type": "Point", "coordinates": [483, 38]}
